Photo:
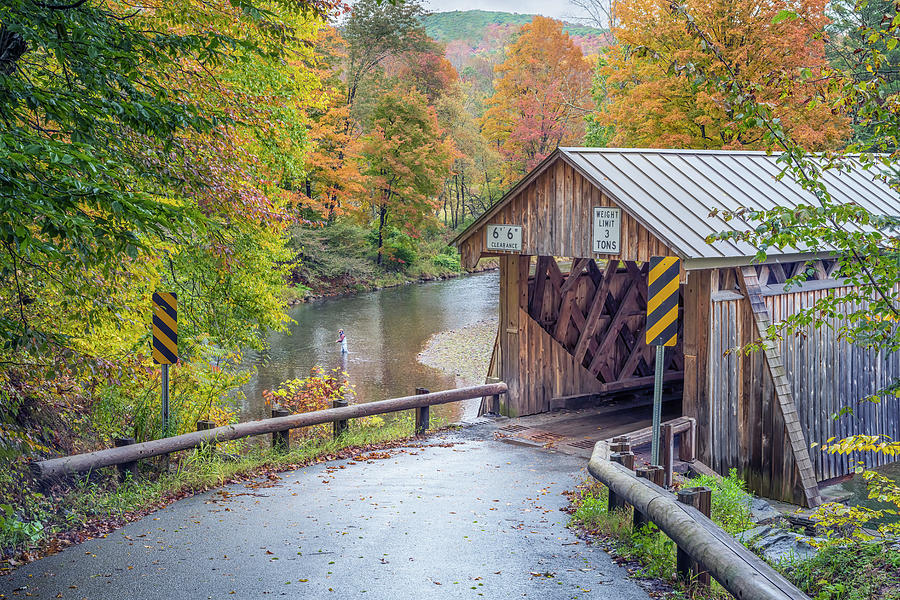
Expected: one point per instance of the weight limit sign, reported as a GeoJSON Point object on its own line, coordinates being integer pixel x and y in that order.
{"type": "Point", "coordinates": [662, 301]}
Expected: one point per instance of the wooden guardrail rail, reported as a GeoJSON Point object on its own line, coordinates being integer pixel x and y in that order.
{"type": "Point", "coordinates": [67, 465]}
{"type": "Point", "coordinates": [702, 545]}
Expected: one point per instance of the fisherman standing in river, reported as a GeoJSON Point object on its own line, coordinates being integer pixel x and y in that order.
{"type": "Point", "coordinates": [342, 340]}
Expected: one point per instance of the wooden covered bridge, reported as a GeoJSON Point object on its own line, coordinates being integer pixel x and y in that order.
{"type": "Point", "coordinates": [574, 238]}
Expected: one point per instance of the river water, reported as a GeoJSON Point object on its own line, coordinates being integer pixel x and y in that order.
{"type": "Point", "coordinates": [385, 331]}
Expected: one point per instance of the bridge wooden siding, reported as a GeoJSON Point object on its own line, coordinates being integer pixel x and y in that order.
{"type": "Point", "coordinates": [554, 207]}
{"type": "Point", "coordinates": [565, 334]}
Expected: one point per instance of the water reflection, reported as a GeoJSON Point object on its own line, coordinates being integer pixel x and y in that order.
{"type": "Point", "coordinates": [385, 331]}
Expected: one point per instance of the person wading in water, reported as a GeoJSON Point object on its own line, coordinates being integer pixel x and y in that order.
{"type": "Point", "coordinates": [342, 340]}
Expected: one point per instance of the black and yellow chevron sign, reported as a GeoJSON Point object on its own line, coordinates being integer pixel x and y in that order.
{"type": "Point", "coordinates": [662, 301]}
{"type": "Point", "coordinates": [165, 328]}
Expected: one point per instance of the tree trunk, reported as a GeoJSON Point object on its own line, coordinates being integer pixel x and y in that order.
{"type": "Point", "coordinates": [382, 217]}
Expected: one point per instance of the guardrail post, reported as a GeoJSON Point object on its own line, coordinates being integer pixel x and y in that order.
{"type": "Point", "coordinates": [638, 519]}
{"type": "Point", "coordinates": [620, 444]}
{"type": "Point", "coordinates": [494, 406]}
{"type": "Point", "coordinates": [129, 468]}
{"type": "Point", "coordinates": [668, 451]}
{"type": "Point", "coordinates": [207, 448]}
{"type": "Point", "coordinates": [281, 441]}
{"type": "Point", "coordinates": [625, 459]}
{"type": "Point", "coordinates": [423, 414]}
{"type": "Point", "coordinates": [339, 427]}
{"type": "Point", "coordinates": [686, 567]}
{"type": "Point", "coordinates": [687, 443]}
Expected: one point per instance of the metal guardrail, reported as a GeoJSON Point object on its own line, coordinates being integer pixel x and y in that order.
{"type": "Point", "coordinates": [46, 470]}
{"type": "Point", "coordinates": [737, 569]}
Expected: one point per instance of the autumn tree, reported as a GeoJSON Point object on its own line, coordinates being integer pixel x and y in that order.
{"type": "Point", "coordinates": [541, 97]}
{"type": "Point", "coordinates": [374, 31]}
{"type": "Point", "coordinates": [474, 183]}
{"type": "Point", "coordinates": [405, 162]}
{"type": "Point", "coordinates": [142, 150]}
{"type": "Point", "coordinates": [330, 178]}
{"type": "Point", "coordinates": [649, 106]}
{"type": "Point", "coordinates": [848, 42]}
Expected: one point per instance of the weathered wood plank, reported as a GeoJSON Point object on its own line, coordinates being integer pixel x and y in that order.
{"type": "Point", "coordinates": [592, 320]}
{"type": "Point", "coordinates": [784, 396]}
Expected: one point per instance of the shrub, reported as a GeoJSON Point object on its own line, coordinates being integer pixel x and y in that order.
{"type": "Point", "coordinates": [398, 251]}
{"type": "Point", "coordinates": [730, 501]}
{"type": "Point", "coordinates": [316, 392]}
{"type": "Point", "coordinates": [447, 262]}
{"type": "Point", "coordinates": [858, 571]}
{"type": "Point", "coordinates": [14, 532]}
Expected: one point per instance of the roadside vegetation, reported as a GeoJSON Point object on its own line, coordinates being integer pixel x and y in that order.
{"type": "Point", "coordinates": [650, 550]}
{"type": "Point", "coordinates": [846, 566]}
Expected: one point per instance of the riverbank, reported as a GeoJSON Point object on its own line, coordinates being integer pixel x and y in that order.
{"type": "Point", "coordinates": [343, 258]}
{"type": "Point", "coordinates": [464, 353]}
{"type": "Point", "coordinates": [347, 285]}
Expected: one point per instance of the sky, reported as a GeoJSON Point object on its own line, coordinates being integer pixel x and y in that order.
{"type": "Point", "coordinates": [558, 9]}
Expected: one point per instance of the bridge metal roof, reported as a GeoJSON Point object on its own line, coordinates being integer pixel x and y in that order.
{"type": "Point", "coordinates": [673, 192]}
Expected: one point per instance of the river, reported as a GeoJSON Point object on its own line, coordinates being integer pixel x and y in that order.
{"type": "Point", "coordinates": [385, 331]}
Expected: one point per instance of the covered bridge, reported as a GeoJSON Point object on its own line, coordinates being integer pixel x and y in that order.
{"type": "Point", "coordinates": [574, 238]}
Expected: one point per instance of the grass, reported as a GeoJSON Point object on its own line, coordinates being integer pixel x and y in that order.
{"type": "Point", "coordinates": [97, 503]}
{"type": "Point", "coordinates": [849, 572]}
{"type": "Point", "coordinates": [651, 549]}
{"type": "Point", "coordinates": [852, 572]}
{"type": "Point", "coordinates": [730, 501]}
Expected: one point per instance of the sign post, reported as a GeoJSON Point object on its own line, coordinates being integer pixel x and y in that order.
{"type": "Point", "coordinates": [662, 329]}
{"type": "Point", "coordinates": [165, 344]}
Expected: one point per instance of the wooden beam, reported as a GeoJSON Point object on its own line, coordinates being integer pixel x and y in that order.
{"type": "Point", "coordinates": [536, 302]}
{"type": "Point", "coordinates": [597, 305]}
{"type": "Point", "coordinates": [778, 272]}
{"type": "Point", "coordinates": [556, 279]}
{"type": "Point", "coordinates": [639, 382]}
{"type": "Point", "coordinates": [612, 332]}
{"type": "Point", "coordinates": [784, 397]}
{"type": "Point", "coordinates": [567, 301]}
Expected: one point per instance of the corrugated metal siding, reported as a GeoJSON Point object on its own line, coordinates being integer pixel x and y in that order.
{"type": "Point", "coordinates": [826, 374]}
{"type": "Point", "coordinates": [672, 192]}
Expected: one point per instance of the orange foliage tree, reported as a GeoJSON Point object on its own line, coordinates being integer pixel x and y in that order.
{"type": "Point", "coordinates": [649, 105]}
{"type": "Point", "coordinates": [541, 95]}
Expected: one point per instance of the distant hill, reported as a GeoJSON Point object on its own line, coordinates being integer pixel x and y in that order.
{"type": "Point", "coordinates": [471, 25]}
{"type": "Point", "coordinates": [475, 39]}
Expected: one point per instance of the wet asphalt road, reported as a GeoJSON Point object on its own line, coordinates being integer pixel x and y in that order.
{"type": "Point", "coordinates": [463, 517]}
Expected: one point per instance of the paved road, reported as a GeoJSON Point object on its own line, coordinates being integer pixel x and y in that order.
{"type": "Point", "coordinates": [463, 517]}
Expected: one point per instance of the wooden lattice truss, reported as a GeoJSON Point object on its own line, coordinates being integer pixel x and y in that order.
{"type": "Point", "coordinates": [598, 316]}
{"type": "Point", "coordinates": [777, 273]}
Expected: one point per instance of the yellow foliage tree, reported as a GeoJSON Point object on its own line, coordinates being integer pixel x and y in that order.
{"type": "Point", "coordinates": [649, 105]}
